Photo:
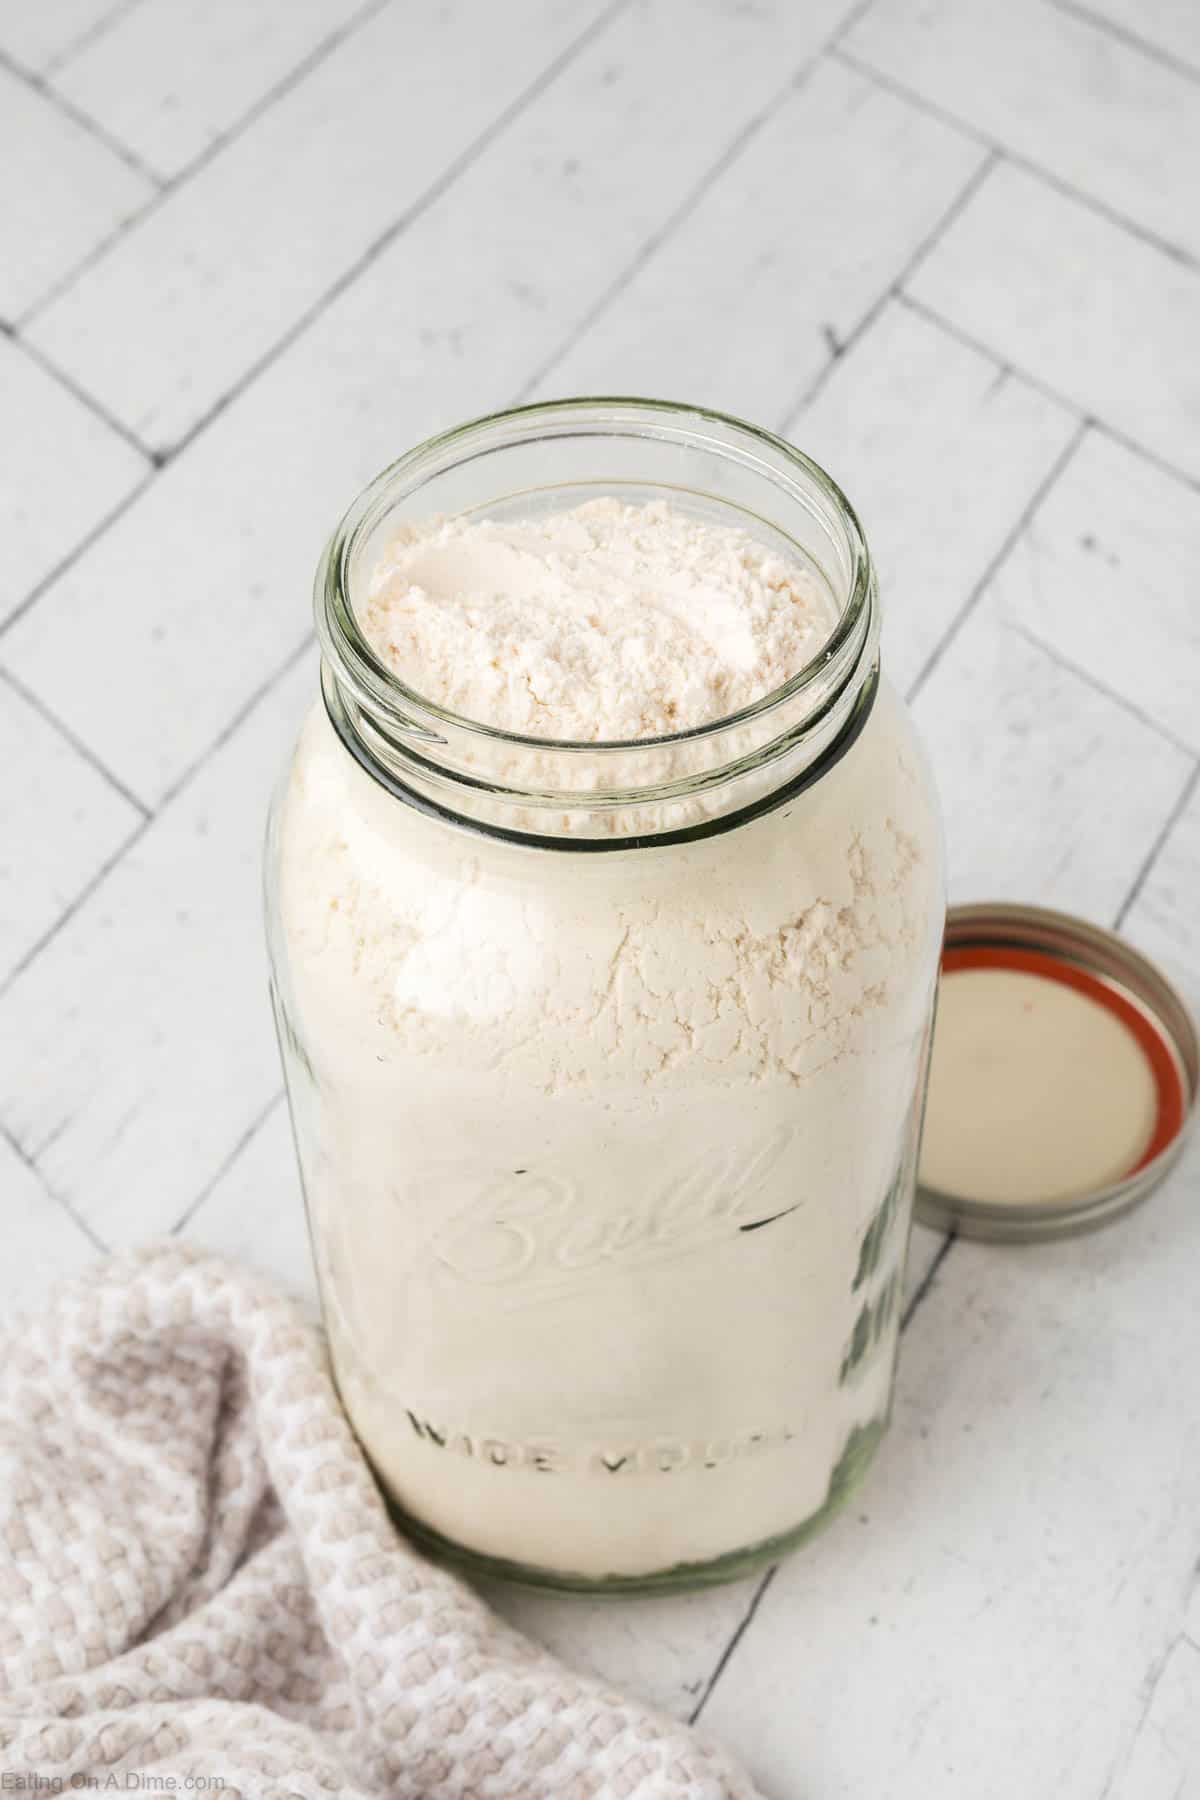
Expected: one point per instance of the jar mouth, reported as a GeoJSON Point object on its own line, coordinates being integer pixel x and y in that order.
{"type": "Point", "coordinates": [397, 706]}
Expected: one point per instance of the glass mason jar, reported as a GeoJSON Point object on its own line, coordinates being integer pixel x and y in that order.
{"type": "Point", "coordinates": [606, 1061]}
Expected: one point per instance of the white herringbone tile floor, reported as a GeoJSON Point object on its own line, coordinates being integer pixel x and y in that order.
{"type": "Point", "coordinates": [248, 253]}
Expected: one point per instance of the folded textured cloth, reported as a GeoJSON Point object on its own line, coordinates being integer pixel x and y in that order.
{"type": "Point", "coordinates": [199, 1584]}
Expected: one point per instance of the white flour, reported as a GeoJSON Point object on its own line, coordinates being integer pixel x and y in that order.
{"type": "Point", "coordinates": [606, 622]}
{"type": "Point", "coordinates": [595, 1145]}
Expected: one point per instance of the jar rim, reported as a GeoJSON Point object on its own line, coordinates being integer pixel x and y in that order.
{"type": "Point", "coordinates": [346, 647]}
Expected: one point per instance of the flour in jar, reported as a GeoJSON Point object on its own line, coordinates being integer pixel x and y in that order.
{"type": "Point", "coordinates": [608, 622]}
{"type": "Point", "coordinates": [608, 1156]}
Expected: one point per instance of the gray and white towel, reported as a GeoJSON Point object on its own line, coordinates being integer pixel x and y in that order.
{"type": "Point", "coordinates": [200, 1588]}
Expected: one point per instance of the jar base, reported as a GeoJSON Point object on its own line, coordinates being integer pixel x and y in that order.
{"type": "Point", "coordinates": [848, 1474]}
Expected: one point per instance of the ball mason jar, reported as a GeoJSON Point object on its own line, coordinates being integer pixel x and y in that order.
{"type": "Point", "coordinates": [606, 1061]}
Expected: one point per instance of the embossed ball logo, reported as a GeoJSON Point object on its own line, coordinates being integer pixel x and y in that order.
{"type": "Point", "coordinates": [529, 1228]}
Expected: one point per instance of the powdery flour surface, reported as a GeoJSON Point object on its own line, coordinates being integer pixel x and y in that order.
{"type": "Point", "coordinates": [607, 622]}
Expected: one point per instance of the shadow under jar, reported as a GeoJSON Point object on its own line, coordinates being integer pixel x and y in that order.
{"type": "Point", "coordinates": [606, 1061]}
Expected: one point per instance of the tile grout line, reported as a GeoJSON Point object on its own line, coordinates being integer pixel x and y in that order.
{"type": "Point", "coordinates": [38, 84]}
{"type": "Point", "coordinates": [262, 692]}
{"type": "Point", "coordinates": [932, 317]}
{"type": "Point", "coordinates": [52, 1136]}
{"type": "Point", "coordinates": [164, 189]}
{"type": "Point", "coordinates": [660, 236]}
{"type": "Point", "coordinates": [73, 555]}
{"type": "Point", "coordinates": [37, 705]}
{"type": "Point", "coordinates": [929, 313]}
{"type": "Point", "coordinates": [733, 151]}
{"type": "Point", "coordinates": [263, 102]}
{"type": "Point", "coordinates": [1012, 537]}
{"type": "Point", "coordinates": [149, 814]}
{"type": "Point", "coordinates": [1100, 687]}
{"type": "Point", "coordinates": [83, 396]}
{"type": "Point", "coordinates": [68, 913]}
{"type": "Point", "coordinates": [1150, 457]}
{"type": "Point", "coordinates": [99, 28]}
{"type": "Point", "coordinates": [927, 1280]}
{"type": "Point", "coordinates": [1169, 823]}
{"type": "Point", "coordinates": [227, 1162]}
{"type": "Point", "coordinates": [56, 1199]}
{"type": "Point", "coordinates": [922, 251]}
{"type": "Point", "coordinates": [1176, 253]}
{"type": "Point", "coordinates": [1148, 1688]}
{"type": "Point", "coordinates": [953, 212]}
{"type": "Point", "coordinates": [739, 1632]}
{"type": "Point", "coordinates": [1110, 28]}
{"type": "Point", "coordinates": [857, 12]}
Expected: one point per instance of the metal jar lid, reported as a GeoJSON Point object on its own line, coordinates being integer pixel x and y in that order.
{"type": "Point", "coordinates": [1060, 1052]}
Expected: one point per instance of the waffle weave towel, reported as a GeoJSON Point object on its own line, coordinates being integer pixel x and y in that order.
{"type": "Point", "coordinates": [200, 1590]}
